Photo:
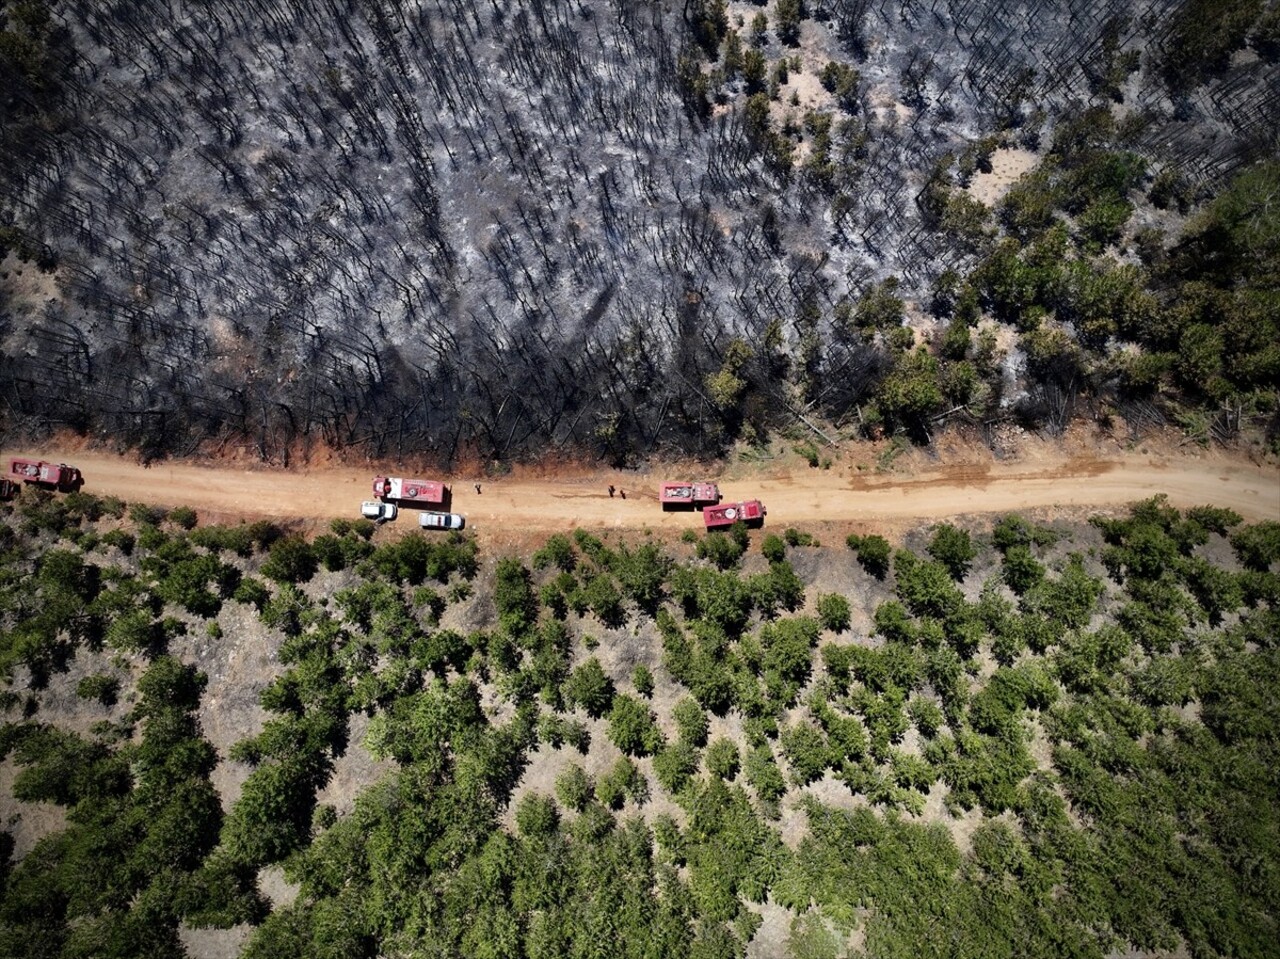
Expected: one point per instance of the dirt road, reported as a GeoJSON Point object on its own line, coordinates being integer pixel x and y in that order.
{"type": "Point", "coordinates": [526, 504]}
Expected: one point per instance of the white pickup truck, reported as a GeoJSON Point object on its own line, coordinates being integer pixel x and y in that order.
{"type": "Point", "coordinates": [441, 521]}
{"type": "Point", "coordinates": [379, 512]}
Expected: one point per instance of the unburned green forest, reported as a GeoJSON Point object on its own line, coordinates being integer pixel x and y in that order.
{"type": "Point", "coordinates": [1017, 737]}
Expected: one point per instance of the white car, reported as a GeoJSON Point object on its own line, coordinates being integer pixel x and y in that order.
{"type": "Point", "coordinates": [378, 512]}
{"type": "Point", "coordinates": [441, 521]}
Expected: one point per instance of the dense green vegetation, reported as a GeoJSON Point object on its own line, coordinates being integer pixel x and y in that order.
{"type": "Point", "coordinates": [1192, 327]}
{"type": "Point", "coordinates": [1054, 741]}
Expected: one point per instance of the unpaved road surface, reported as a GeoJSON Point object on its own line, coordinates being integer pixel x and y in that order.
{"type": "Point", "coordinates": [518, 503]}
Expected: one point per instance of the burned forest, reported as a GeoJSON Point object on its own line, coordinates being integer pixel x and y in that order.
{"type": "Point", "coordinates": [496, 230]}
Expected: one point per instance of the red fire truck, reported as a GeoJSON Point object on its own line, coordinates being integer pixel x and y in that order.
{"type": "Point", "coordinates": [688, 495]}
{"type": "Point", "coordinates": [751, 512]}
{"type": "Point", "coordinates": [57, 476]}
{"type": "Point", "coordinates": [413, 491]}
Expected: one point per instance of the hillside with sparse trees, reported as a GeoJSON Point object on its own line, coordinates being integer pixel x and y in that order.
{"type": "Point", "coordinates": [1013, 740]}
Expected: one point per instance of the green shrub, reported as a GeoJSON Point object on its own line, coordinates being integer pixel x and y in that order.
{"type": "Point", "coordinates": [723, 551]}
{"type": "Point", "coordinates": [1007, 693]}
{"type": "Point", "coordinates": [926, 715]}
{"type": "Point", "coordinates": [112, 506]}
{"type": "Point", "coordinates": [285, 610]}
{"type": "Point", "coordinates": [600, 594]}
{"type": "Point", "coordinates": [556, 730]}
{"type": "Point", "coordinates": [721, 599]}
{"type": "Point", "coordinates": [537, 816]}
{"type": "Point", "coordinates": [151, 538]}
{"type": "Point", "coordinates": [842, 80]}
{"type": "Point", "coordinates": [120, 539]}
{"type": "Point", "coordinates": [272, 817]}
{"type": "Point", "coordinates": [810, 938]}
{"type": "Point", "coordinates": [557, 552]}
{"type": "Point", "coordinates": [893, 666]}
{"type": "Point", "coordinates": [780, 587]}
{"type": "Point", "coordinates": [431, 602]}
{"type": "Point", "coordinates": [676, 765]}
{"type": "Point", "coordinates": [416, 558]}
{"type": "Point", "coordinates": [1013, 530]}
{"type": "Point", "coordinates": [554, 598]}
{"type": "Point", "coordinates": [773, 548]}
{"type": "Point", "coordinates": [642, 680]}
{"type": "Point", "coordinates": [788, 648]}
{"type": "Point", "coordinates": [953, 549]}
{"type": "Point", "coordinates": [794, 537]}
{"type": "Point", "coordinates": [233, 539]}
{"type": "Point", "coordinates": [1215, 519]}
{"type": "Point", "coordinates": [87, 540]}
{"type": "Point", "coordinates": [911, 772]}
{"type": "Point", "coordinates": [329, 553]}
{"type": "Point", "coordinates": [514, 597]}
{"type": "Point", "coordinates": [1021, 570]}
{"type": "Point", "coordinates": [722, 759]}
{"type": "Point", "coordinates": [592, 546]}
{"type": "Point", "coordinates": [252, 592]}
{"type": "Point", "coordinates": [1165, 681]}
{"type": "Point", "coordinates": [183, 577]}
{"type": "Point", "coordinates": [133, 632]}
{"type": "Point", "coordinates": [666, 832]}
{"type": "Point", "coordinates": [925, 587]}
{"type": "Point", "coordinates": [144, 515]}
{"type": "Point", "coordinates": [621, 782]}
{"type": "Point", "coordinates": [574, 787]}
{"type": "Point", "coordinates": [763, 774]}
{"type": "Point", "coordinates": [610, 791]}
{"type": "Point", "coordinates": [291, 560]}
{"type": "Point", "coordinates": [633, 727]}
{"type": "Point", "coordinates": [691, 721]}
{"type": "Point", "coordinates": [833, 612]}
{"type": "Point", "coordinates": [1202, 36]}
{"type": "Point", "coordinates": [99, 686]}
{"type": "Point", "coordinates": [642, 574]}
{"type": "Point", "coordinates": [589, 688]}
{"type": "Point", "coordinates": [1068, 601]}
{"type": "Point", "coordinates": [183, 516]}
{"type": "Point", "coordinates": [806, 751]}
{"type": "Point", "coordinates": [873, 553]}
{"type": "Point", "coordinates": [846, 738]}
{"type": "Point", "coordinates": [576, 735]}
{"type": "Point", "coordinates": [981, 770]}
{"type": "Point", "coordinates": [1258, 546]}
